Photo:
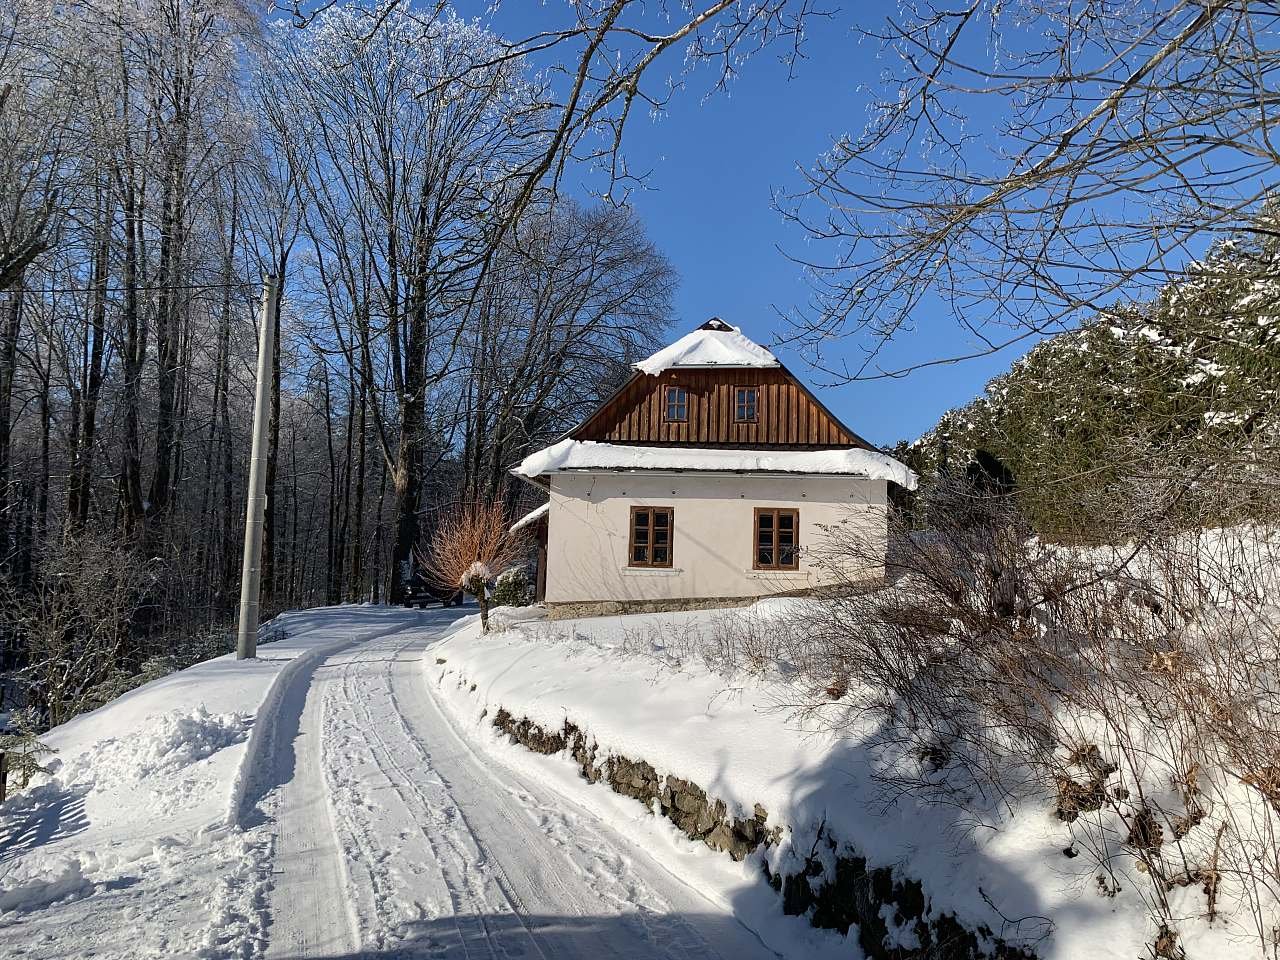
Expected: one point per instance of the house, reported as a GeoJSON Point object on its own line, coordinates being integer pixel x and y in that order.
{"type": "Point", "coordinates": [710, 475]}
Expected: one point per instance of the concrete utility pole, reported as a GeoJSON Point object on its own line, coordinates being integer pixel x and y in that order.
{"type": "Point", "coordinates": [251, 570]}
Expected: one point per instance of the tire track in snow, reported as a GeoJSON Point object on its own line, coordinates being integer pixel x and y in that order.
{"type": "Point", "coordinates": [437, 853]}
{"type": "Point", "coordinates": [646, 916]}
{"type": "Point", "coordinates": [467, 900]}
{"type": "Point", "coordinates": [284, 786]}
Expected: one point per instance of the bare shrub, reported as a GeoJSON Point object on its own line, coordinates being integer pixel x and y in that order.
{"type": "Point", "coordinates": [471, 545]}
{"type": "Point", "coordinates": [671, 644]}
{"type": "Point", "coordinates": [1132, 687]}
{"type": "Point", "coordinates": [740, 641]}
{"type": "Point", "coordinates": [76, 623]}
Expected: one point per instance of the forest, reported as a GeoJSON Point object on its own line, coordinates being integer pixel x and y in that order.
{"type": "Point", "coordinates": [435, 321]}
{"type": "Point", "coordinates": [1160, 414]}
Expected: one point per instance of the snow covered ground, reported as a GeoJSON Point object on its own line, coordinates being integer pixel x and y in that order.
{"type": "Point", "coordinates": [347, 795]}
{"type": "Point", "coordinates": [736, 737]}
{"type": "Point", "coordinates": [317, 803]}
{"type": "Point", "coordinates": [135, 847]}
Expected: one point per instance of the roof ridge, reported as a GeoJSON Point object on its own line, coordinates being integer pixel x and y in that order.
{"type": "Point", "coordinates": [713, 344]}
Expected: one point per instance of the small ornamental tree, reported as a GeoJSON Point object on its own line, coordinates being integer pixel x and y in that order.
{"type": "Point", "coordinates": [513, 588]}
{"type": "Point", "coordinates": [471, 545]}
{"type": "Point", "coordinates": [22, 749]}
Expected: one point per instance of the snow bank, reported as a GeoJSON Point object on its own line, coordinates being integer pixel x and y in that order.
{"type": "Point", "coordinates": [592, 455]}
{"type": "Point", "coordinates": [736, 737]}
{"type": "Point", "coordinates": [174, 740]}
{"type": "Point", "coordinates": [62, 880]}
{"type": "Point", "coordinates": [725, 347]}
{"type": "Point", "coordinates": [133, 845]}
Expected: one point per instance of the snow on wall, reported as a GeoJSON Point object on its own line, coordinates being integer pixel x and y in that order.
{"type": "Point", "coordinates": [883, 913]}
{"type": "Point", "coordinates": [735, 738]}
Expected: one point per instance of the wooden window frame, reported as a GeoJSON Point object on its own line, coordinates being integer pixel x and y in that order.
{"type": "Point", "coordinates": [671, 538]}
{"type": "Point", "coordinates": [755, 404]}
{"type": "Point", "coordinates": [666, 404]}
{"type": "Point", "coordinates": [755, 538]}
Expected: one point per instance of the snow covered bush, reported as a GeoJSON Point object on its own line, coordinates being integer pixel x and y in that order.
{"type": "Point", "coordinates": [22, 750]}
{"type": "Point", "coordinates": [512, 588]}
{"type": "Point", "coordinates": [1131, 691]}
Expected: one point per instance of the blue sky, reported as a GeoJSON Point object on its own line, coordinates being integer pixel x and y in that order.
{"type": "Point", "coordinates": [714, 162]}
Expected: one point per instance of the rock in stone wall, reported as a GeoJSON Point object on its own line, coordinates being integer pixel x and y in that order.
{"type": "Point", "coordinates": [833, 898]}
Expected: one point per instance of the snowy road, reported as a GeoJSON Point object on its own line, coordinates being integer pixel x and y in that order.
{"type": "Point", "coordinates": [394, 838]}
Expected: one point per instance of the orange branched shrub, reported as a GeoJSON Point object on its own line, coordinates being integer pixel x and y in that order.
{"type": "Point", "coordinates": [472, 544]}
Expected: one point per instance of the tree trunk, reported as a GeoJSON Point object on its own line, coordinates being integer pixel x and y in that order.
{"type": "Point", "coordinates": [228, 482]}
{"type": "Point", "coordinates": [168, 335]}
{"type": "Point", "coordinates": [357, 513]}
{"type": "Point", "coordinates": [91, 390]}
{"type": "Point", "coordinates": [407, 474]}
{"type": "Point", "coordinates": [332, 548]}
{"type": "Point", "coordinates": [134, 346]}
{"type": "Point", "coordinates": [379, 552]}
{"type": "Point", "coordinates": [9, 325]}
{"type": "Point", "coordinates": [42, 488]}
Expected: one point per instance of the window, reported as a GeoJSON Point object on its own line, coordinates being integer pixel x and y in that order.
{"type": "Point", "coordinates": [651, 529]}
{"type": "Point", "coordinates": [676, 405]}
{"type": "Point", "coordinates": [744, 405]}
{"type": "Point", "coordinates": [777, 542]}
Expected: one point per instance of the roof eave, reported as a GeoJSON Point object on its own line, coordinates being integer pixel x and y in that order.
{"type": "Point", "coordinates": [541, 480]}
{"type": "Point", "coordinates": [706, 472]}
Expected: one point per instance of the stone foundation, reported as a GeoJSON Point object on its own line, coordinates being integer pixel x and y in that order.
{"type": "Point", "coordinates": [575, 609]}
{"type": "Point", "coordinates": [619, 608]}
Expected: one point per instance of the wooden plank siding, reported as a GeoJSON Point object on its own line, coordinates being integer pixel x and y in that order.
{"type": "Point", "coordinates": [787, 415]}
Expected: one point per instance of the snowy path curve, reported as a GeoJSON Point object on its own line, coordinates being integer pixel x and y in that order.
{"type": "Point", "coordinates": [394, 838]}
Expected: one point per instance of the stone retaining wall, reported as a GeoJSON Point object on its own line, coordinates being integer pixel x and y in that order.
{"type": "Point", "coordinates": [833, 898]}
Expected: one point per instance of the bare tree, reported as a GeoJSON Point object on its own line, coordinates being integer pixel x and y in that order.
{"type": "Point", "coordinates": [1120, 685]}
{"type": "Point", "coordinates": [600, 53]}
{"type": "Point", "coordinates": [571, 298]}
{"type": "Point", "coordinates": [1026, 166]}
{"type": "Point", "coordinates": [409, 193]}
{"type": "Point", "coordinates": [41, 78]}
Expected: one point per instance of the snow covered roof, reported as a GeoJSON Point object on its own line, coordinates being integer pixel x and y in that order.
{"type": "Point", "coordinates": [714, 344]}
{"type": "Point", "coordinates": [591, 455]}
{"type": "Point", "coordinates": [532, 517]}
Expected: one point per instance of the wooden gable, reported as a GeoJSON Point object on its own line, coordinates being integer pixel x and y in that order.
{"type": "Point", "coordinates": [788, 414]}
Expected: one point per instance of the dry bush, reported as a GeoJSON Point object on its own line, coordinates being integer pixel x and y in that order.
{"type": "Point", "coordinates": [76, 624]}
{"type": "Point", "coordinates": [671, 644]}
{"type": "Point", "coordinates": [1136, 688]}
{"type": "Point", "coordinates": [740, 641]}
{"type": "Point", "coordinates": [471, 545]}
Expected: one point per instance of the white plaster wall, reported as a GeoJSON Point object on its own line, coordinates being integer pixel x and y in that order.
{"type": "Point", "coordinates": [712, 546]}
